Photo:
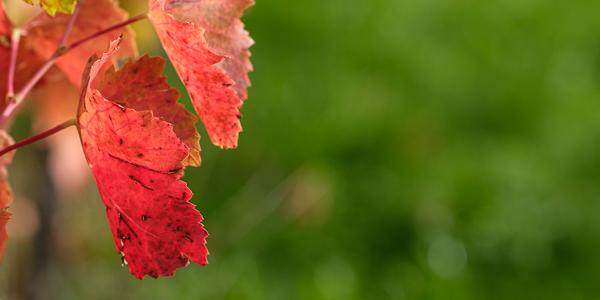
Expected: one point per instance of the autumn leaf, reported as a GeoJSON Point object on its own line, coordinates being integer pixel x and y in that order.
{"type": "Point", "coordinates": [224, 33]}
{"type": "Point", "coordinates": [44, 34]}
{"type": "Point", "coordinates": [209, 88]}
{"type": "Point", "coordinates": [54, 6]}
{"type": "Point", "coordinates": [4, 218]}
{"type": "Point", "coordinates": [52, 102]}
{"type": "Point", "coordinates": [135, 158]}
{"type": "Point", "coordinates": [140, 86]}
{"type": "Point", "coordinates": [6, 193]}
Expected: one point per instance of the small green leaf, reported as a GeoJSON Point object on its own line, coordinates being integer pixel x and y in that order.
{"type": "Point", "coordinates": [54, 6]}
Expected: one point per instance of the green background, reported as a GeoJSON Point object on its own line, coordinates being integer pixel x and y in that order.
{"type": "Point", "coordinates": [392, 149]}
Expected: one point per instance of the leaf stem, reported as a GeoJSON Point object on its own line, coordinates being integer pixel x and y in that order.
{"type": "Point", "coordinates": [103, 31]}
{"type": "Point", "coordinates": [61, 49]}
{"type": "Point", "coordinates": [14, 48]}
{"type": "Point", "coordinates": [63, 40]}
{"type": "Point", "coordinates": [38, 136]}
{"type": "Point", "coordinates": [15, 100]}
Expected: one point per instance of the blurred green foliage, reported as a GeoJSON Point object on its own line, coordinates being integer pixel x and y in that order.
{"type": "Point", "coordinates": [392, 149]}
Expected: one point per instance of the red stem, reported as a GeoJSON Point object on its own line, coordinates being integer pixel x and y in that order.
{"type": "Point", "coordinates": [38, 136]}
{"type": "Point", "coordinates": [16, 100]}
{"type": "Point", "coordinates": [57, 53]}
{"type": "Point", "coordinates": [60, 50]}
{"type": "Point", "coordinates": [14, 48]}
{"type": "Point", "coordinates": [103, 31]}
{"type": "Point", "coordinates": [63, 40]}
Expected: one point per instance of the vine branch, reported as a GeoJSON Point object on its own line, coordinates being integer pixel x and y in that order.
{"type": "Point", "coordinates": [103, 31]}
{"type": "Point", "coordinates": [14, 48]}
{"type": "Point", "coordinates": [38, 136]}
{"type": "Point", "coordinates": [61, 49]}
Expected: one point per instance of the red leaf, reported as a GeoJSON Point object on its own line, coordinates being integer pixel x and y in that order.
{"type": "Point", "coordinates": [224, 32]}
{"type": "Point", "coordinates": [139, 85]}
{"type": "Point", "coordinates": [54, 103]}
{"type": "Point", "coordinates": [215, 103]}
{"type": "Point", "coordinates": [4, 218]}
{"type": "Point", "coordinates": [44, 34]}
{"type": "Point", "coordinates": [6, 193]}
{"type": "Point", "coordinates": [135, 159]}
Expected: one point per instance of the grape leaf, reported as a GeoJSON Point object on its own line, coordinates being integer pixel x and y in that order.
{"type": "Point", "coordinates": [224, 32]}
{"type": "Point", "coordinates": [6, 194]}
{"type": "Point", "coordinates": [135, 158]}
{"type": "Point", "coordinates": [54, 104]}
{"type": "Point", "coordinates": [44, 33]}
{"type": "Point", "coordinates": [4, 218]}
{"type": "Point", "coordinates": [139, 85]}
{"type": "Point", "coordinates": [209, 88]}
{"type": "Point", "coordinates": [54, 6]}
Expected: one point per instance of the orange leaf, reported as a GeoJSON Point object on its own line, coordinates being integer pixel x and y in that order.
{"type": "Point", "coordinates": [6, 193]}
{"type": "Point", "coordinates": [44, 33]}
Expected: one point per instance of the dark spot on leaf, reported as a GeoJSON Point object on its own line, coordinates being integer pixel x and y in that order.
{"type": "Point", "coordinates": [174, 171]}
{"type": "Point", "coordinates": [187, 238]}
{"type": "Point", "coordinates": [140, 183]}
{"type": "Point", "coordinates": [125, 222]}
{"type": "Point", "coordinates": [120, 141]}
